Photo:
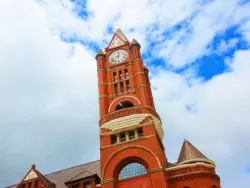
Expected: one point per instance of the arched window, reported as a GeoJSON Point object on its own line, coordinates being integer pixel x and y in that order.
{"type": "Point", "coordinates": [214, 186]}
{"type": "Point", "coordinates": [132, 170]}
{"type": "Point", "coordinates": [122, 105]}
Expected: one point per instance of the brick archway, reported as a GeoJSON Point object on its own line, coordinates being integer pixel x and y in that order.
{"type": "Point", "coordinates": [117, 159]}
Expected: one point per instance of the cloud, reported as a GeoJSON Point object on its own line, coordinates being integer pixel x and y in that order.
{"type": "Point", "coordinates": [190, 42]}
{"type": "Point", "coordinates": [48, 95]}
{"type": "Point", "coordinates": [219, 116]}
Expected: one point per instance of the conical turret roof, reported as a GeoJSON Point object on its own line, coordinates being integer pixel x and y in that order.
{"type": "Point", "coordinates": [190, 154]}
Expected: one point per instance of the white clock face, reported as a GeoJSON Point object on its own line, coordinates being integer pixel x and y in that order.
{"type": "Point", "coordinates": [118, 56]}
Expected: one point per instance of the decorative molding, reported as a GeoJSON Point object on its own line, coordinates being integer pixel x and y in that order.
{"type": "Point", "coordinates": [197, 160]}
{"type": "Point", "coordinates": [107, 181]}
{"type": "Point", "coordinates": [155, 170]}
{"type": "Point", "coordinates": [131, 121]}
{"type": "Point", "coordinates": [192, 175]}
{"type": "Point", "coordinates": [189, 165]}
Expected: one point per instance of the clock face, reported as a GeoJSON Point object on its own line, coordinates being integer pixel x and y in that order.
{"type": "Point", "coordinates": [118, 56]}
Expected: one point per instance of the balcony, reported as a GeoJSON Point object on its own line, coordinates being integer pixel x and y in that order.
{"type": "Point", "coordinates": [127, 112]}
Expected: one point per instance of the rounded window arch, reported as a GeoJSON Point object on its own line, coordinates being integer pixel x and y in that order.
{"type": "Point", "coordinates": [132, 169]}
{"type": "Point", "coordinates": [124, 104]}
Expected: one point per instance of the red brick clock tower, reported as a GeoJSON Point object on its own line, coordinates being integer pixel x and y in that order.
{"type": "Point", "coordinates": [131, 149]}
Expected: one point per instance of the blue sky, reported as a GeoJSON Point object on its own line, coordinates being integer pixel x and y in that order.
{"type": "Point", "coordinates": [198, 53]}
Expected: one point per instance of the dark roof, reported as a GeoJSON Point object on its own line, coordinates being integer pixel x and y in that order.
{"type": "Point", "coordinates": [189, 153]}
{"type": "Point", "coordinates": [60, 177]}
{"type": "Point", "coordinates": [81, 175]}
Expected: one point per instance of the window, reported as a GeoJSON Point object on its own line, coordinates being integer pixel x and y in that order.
{"type": "Point", "coordinates": [131, 135]}
{"type": "Point", "coordinates": [126, 73]}
{"type": "Point", "coordinates": [75, 185]}
{"type": "Point", "coordinates": [140, 132]}
{"type": "Point", "coordinates": [132, 170]}
{"type": "Point", "coordinates": [36, 184]}
{"type": "Point", "coordinates": [123, 137]}
{"type": "Point", "coordinates": [114, 77]}
{"type": "Point", "coordinates": [29, 185]}
{"type": "Point", "coordinates": [87, 185]}
{"type": "Point", "coordinates": [214, 186]}
{"type": "Point", "coordinates": [120, 75]}
{"type": "Point", "coordinates": [127, 85]}
{"type": "Point", "coordinates": [122, 87]}
{"type": "Point", "coordinates": [113, 139]}
{"type": "Point", "coordinates": [122, 105]}
{"type": "Point", "coordinates": [116, 88]}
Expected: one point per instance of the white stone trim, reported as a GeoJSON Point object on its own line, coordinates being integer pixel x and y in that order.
{"type": "Point", "coordinates": [133, 120]}
{"type": "Point", "coordinates": [190, 165]}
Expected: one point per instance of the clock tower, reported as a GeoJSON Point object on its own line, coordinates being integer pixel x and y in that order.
{"type": "Point", "coordinates": [131, 149]}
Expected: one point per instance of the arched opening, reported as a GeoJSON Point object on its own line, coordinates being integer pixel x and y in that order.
{"type": "Point", "coordinates": [131, 170]}
{"type": "Point", "coordinates": [123, 105]}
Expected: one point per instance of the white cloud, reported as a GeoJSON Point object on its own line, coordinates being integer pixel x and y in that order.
{"type": "Point", "coordinates": [218, 122]}
{"type": "Point", "coordinates": [48, 95]}
{"type": "Point", "coordinates": [245, 29]}
{"type": "Point", "coordinates": [191, 42]}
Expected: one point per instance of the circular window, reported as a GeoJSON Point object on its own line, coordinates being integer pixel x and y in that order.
{"type": "Point", "coordinates": [132, 170]}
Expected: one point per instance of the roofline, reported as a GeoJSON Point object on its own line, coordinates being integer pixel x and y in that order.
{"type": "Point", "coordinates": [71, 167]}
{"type": "Point", "coordinates": [88, 177]}
{"type": "Point", "coordinates": [58, 171]}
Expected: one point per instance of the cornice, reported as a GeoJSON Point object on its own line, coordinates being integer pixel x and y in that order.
{"type": "Point", "coordinates": [192, 175]}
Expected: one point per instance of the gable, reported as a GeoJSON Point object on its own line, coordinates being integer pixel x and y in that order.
{"type": "Point", "coordinates": [116, 41]}
{"type": "Point", "coordinates": [31, 175]}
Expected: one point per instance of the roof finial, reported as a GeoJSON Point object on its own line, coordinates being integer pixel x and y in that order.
{"type": "Point", "coordinates": [33, 166]}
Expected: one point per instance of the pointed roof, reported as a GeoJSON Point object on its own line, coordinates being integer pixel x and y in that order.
{"type": "Point", "coordinates": [33, 173]}
{"type": "Point", "coordinates": [60, 177]}
{"type": "Point", "coordinates": [118, 39]}
{"type": "Point", "coordinates": [120, 34]}
{"type": "Point", "coordinates": [190, 154]}
{"type": "Point", "coordinates": [134, 41]}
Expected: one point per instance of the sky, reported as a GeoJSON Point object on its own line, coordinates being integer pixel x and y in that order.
{"type": "Point", "coordinates": [198, 54]}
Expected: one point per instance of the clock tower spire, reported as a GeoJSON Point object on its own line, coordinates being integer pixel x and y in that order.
{"type": "Point", "coordinates": [130, 129]}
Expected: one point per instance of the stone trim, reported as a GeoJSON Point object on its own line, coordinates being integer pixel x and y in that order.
{"type": "Point", "coordinates": [189, 165]}
{"type": "Point", "coordinates": [107, 181]}
{"type": "Point", "coordinates": [135, 119]}
{"type": "Point", "coordinates": [192, 175]}
{"type": "Point", "coordinates": [197, 160]}
{"type": "Point", "coordinates": [155, 170]}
